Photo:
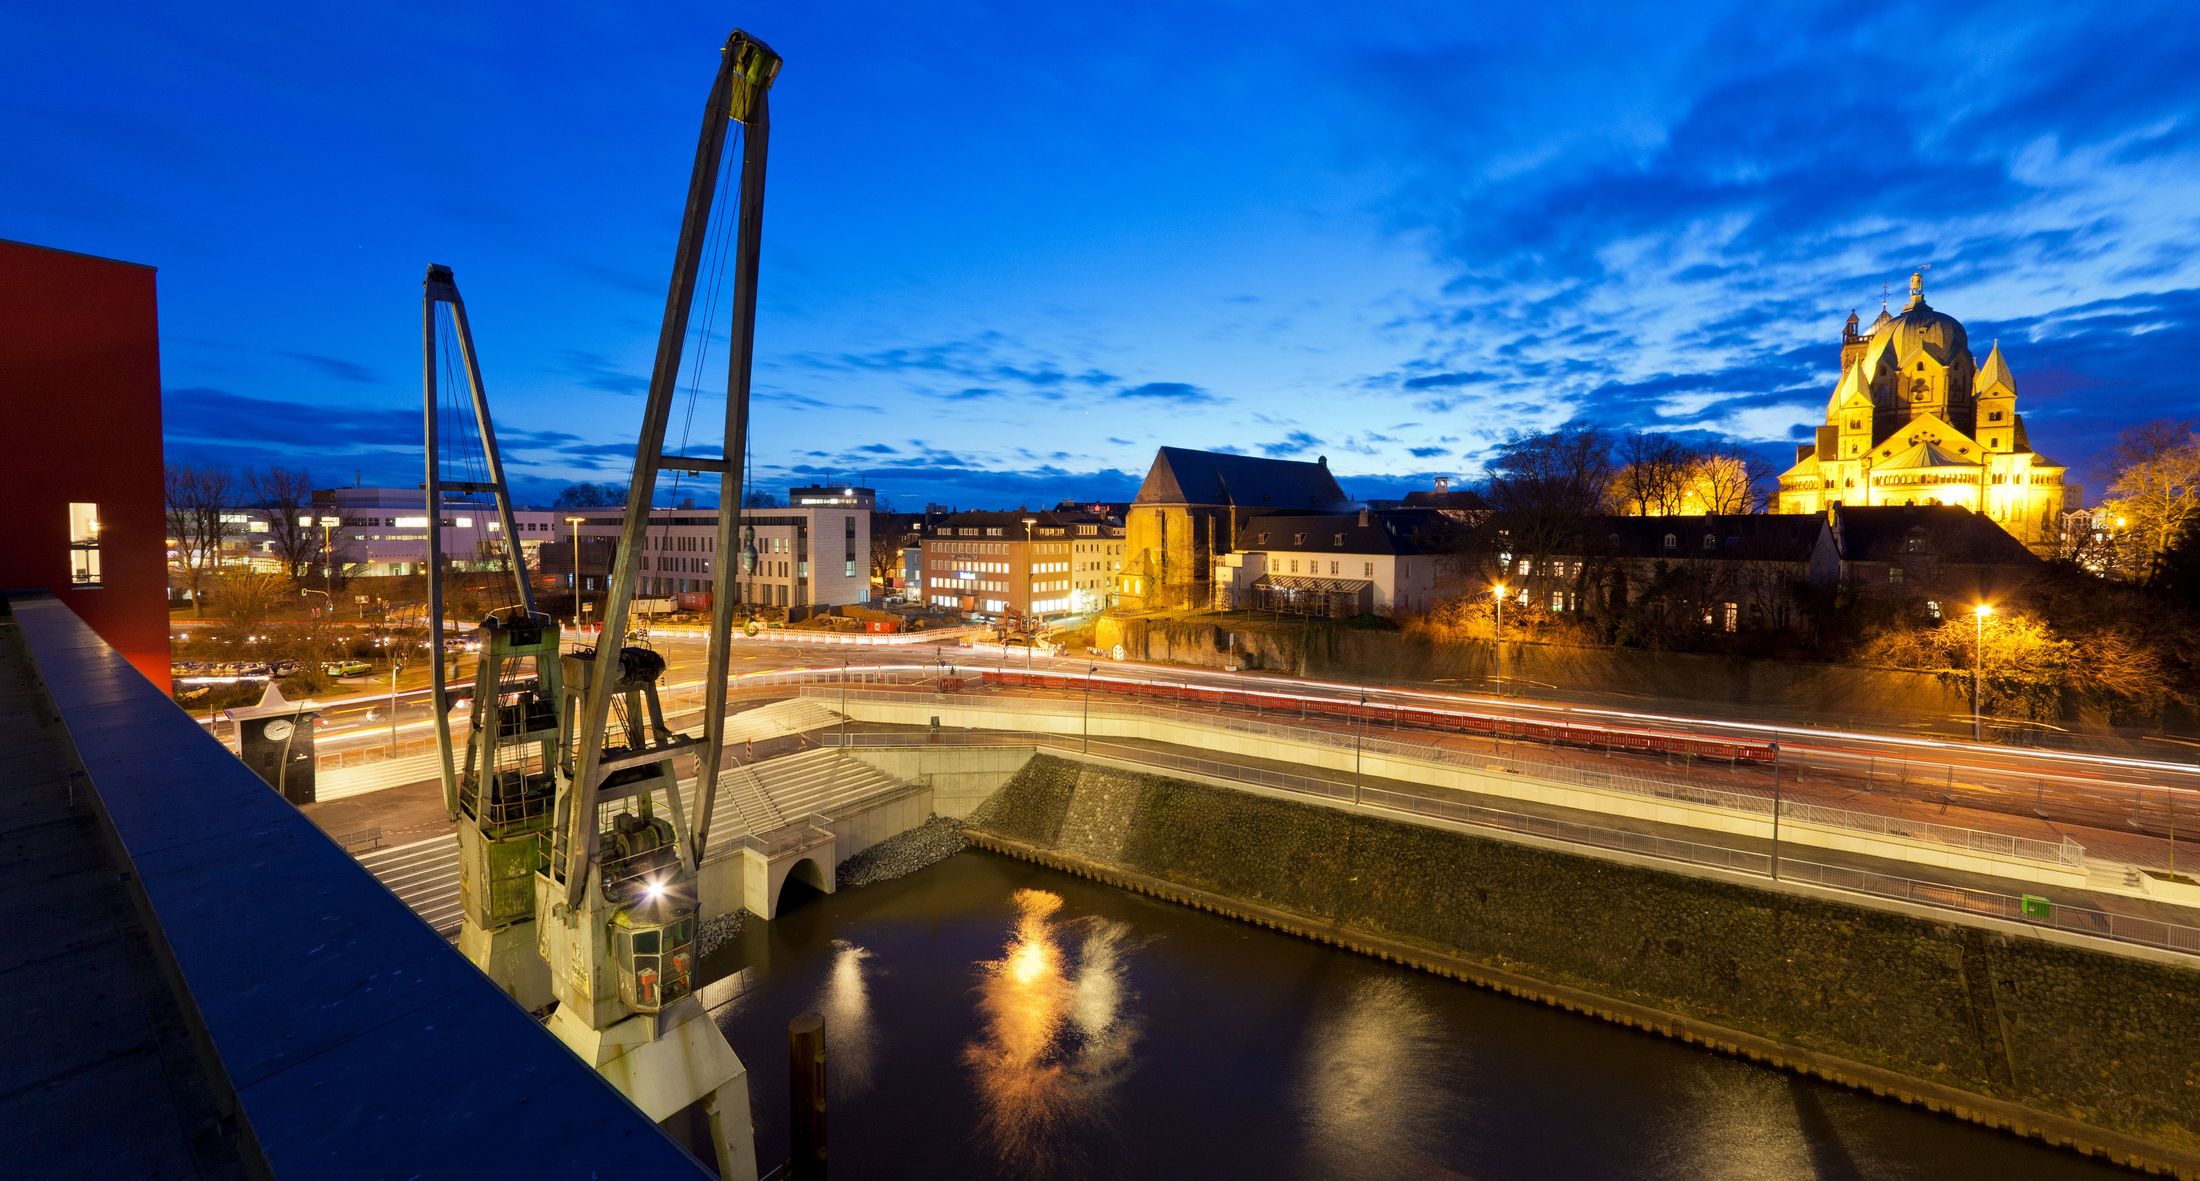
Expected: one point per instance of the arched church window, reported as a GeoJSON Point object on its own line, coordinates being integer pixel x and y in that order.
{"type": "Point", "coordinates": [1671, 541]}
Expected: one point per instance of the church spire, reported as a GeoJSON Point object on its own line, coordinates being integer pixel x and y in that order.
{"type": "Point", "coordinates": [1994, 374]}
{"type": "Point", "coordinates": [1917, 288]}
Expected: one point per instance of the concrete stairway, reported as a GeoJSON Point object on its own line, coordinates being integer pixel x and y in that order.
{"type": "Point", "coordinates": [821, 781]}
{"type": "Point", "coordinates": [424, 874]}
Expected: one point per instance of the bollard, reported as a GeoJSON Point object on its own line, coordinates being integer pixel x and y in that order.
{"type": "Point", "coordinates": [806, 1106]}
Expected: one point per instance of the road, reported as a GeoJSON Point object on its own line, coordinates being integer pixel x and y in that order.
{"type": "Point", "coordinates": [2123, 804]}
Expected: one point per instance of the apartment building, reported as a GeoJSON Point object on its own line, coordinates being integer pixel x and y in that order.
{"type": "Point", "coordinates": [1047, 564]}
{"type": "Point", "coordinates": [804, 557]}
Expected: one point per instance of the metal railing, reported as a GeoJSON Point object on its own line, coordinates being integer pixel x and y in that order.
{"type": "Point", "coordinates": [2081, 920]}
{"type": "Point", "coordinates": [2066, 853]}
{"type": "Point", "coordinates": [807, 833]}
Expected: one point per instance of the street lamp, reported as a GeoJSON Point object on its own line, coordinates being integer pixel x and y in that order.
{"type": "Point", "coordinates": [328, 564]}
{"type": "Point", "coordinates": [573, 526]}
{"type": "Point", "coordinates": [1978, 662]}
{"type": "Point", "coordinates": [1358, 737]}
{"type": "Point", "coordinates": [1087, 747]}
{"type": "Point", "coordinates": [1498, 592]}
{"type": "Point", "coordinates": [1030, 613]}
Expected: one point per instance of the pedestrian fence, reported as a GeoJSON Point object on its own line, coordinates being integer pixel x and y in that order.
{"type": "Point", "coordinates": [2082, 920]}
{"type": "Point", "coordinates": [2066, 852]}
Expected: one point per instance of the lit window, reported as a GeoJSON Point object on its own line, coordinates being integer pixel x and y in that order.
{"type": "Point", "coordinates": [84, 545]}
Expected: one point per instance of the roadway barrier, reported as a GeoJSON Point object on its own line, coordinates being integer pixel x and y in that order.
{"type": "Point", "coordinates": [2065, 860]}
{"type": "Point", "coordinates": [2083, 921]}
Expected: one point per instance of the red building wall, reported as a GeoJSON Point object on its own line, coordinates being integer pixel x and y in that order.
{"type": "Point", "coordinates": [80, 419]}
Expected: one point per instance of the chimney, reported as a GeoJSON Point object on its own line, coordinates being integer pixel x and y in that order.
{"type": "Point", "coordinates": [1322, 460]}
{"type": "Point", "coordinates": [1443, 485]}
{"type": "Point", "coordinates": [1363, 517]}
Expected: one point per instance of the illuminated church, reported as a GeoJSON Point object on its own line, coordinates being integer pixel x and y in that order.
{"type": "Point", "coordinates": [1915, 420]}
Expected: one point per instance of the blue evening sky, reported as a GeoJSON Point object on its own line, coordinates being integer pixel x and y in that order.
{"type": "Point", "coordinates": [1012, 248]}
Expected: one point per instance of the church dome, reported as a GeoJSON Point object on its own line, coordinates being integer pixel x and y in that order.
{"type": "Point", "coordinates": [1920, 328]}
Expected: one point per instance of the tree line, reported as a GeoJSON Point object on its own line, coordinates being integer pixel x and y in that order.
{"type": "Point", "coordinates": [2114, 630]}
{"type": "Point", "coordinates": [204, 505]}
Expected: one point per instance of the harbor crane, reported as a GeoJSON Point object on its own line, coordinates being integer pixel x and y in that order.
{"type": "Point", "coordinates": [616, 898]}
{"type": "Point", "coordinates": [500, 795]}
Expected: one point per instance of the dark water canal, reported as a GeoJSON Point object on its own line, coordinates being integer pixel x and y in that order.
{"type": "Point", "coordinates": [987, 1018]}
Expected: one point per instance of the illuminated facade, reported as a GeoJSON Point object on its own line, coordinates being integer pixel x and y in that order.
{"type": "Point", "coordinates": [1045, 564]}
{"type": "Point", "coordinates": [1187, 516]}
{"type": "Point", "coordinates": [1915, 421]}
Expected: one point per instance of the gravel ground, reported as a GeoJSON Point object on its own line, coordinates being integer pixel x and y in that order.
{"type": "Point", "coordinates": [717, 930]}
{"type": "Point", "coordinates": [933, 841]}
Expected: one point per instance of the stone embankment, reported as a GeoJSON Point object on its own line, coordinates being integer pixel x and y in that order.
{"type": "Point", "coordinates": [929, 843]}
{"type": "Point", "coordinates": [2075, 1047]}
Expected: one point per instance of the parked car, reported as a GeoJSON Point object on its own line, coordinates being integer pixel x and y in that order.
{"type": "Point", "coordinates": [346, 668]}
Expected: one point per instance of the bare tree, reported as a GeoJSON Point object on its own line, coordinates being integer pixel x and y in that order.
{"type": "Point", "coordinates": [885, 548]}
{"type": "Point", "coordinates": [1727, 481]}
{"type": "Point", "coordinates": [1565, 472]}
{"type": "Point", "coordinates": [196, 498]}
{"type": "Point", "coordinates": [2156, 488]}
{"type": "Point", "coordinates": [285, 497]}
{"type": "Point", "coordinates": [1653, 474]}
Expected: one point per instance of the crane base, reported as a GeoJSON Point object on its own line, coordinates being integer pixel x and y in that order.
{"type": "Point", "coordinates": [509, 957]}
{"type": "Point", "coordinates": [679, 1070]}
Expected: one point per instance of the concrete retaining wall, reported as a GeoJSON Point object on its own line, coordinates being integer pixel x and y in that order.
{"type": "Point", "coordinates": [2056, 1042]}
{"type": "Point", "coordinates": [984, 772]}
{"type": "Point", "coordinates": [960, 777]}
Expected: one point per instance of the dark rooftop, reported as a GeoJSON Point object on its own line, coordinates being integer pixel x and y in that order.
{"type": "Point", "coordinates": [1182, 476]}
{"type": "Point", "coordinates": [1950, 533]}
{"type": "Point", "coordinates": [1332, 533]}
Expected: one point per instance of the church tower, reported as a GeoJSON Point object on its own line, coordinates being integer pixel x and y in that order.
{"type": "Point", "coordinates": [1852, 343]}
{"type": "Point", "coordinates": [1997, 405]}
{"type": "Point", "coordinates": [1915, 420]}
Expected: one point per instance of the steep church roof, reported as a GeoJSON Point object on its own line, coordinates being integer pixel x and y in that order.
{"type": "Point", "coordinates": [1922, 455]}
{"type": "Point", "coordinates": [1853, 386]}
{"type": "Point", "coordinates": [1181, 475]}
{"type": "Point", "coordinates": [1995, 372]}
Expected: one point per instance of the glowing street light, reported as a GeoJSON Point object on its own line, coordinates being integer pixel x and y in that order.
{"type": "Point", "coordinates": [1498, 592]}
{"type": "Point", "coordinates": [573, 526]}
{"type": "Point", "coordinates": [1978, 662]}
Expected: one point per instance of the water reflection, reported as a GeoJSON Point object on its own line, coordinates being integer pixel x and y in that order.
{"type": "Point", "coordinates": [1055, 1041]}
{"type": "Point", "coordinates": [851, 1037]}
{"type": "Point", "coordinates": [1749, 1126]}
{"type": "Point", "coordinates": [1374, 1087]}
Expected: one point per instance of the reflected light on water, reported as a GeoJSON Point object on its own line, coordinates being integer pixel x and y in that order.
{"type": "Point", "coordinates": [1053, 1042]}
{"type": "Point", "coordinates": [851, 1036]}
{"type": "Point", "coordinates": [1374, 1086]}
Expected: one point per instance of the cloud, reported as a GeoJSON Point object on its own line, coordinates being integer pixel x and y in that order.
{"type": "Point", "coordinates": [336, 367]}
{"type": "Point", "coordinates": [597, 372]}
{"type": "Point", "coordinates": [1445, 381]}
{"type": "Point", "coordinates": [1168, 391]}
{"type": "Point", "coordinates": [1295, 443]}
{"type": "Point", "coordinates": [1428, 452]}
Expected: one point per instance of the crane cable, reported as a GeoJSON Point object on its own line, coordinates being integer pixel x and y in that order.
{"type": "Point", "coordinates": [713, 285]}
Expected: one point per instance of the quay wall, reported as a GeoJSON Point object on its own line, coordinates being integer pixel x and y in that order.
{"type": "Point", "coordinates": [2071, 1046]}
